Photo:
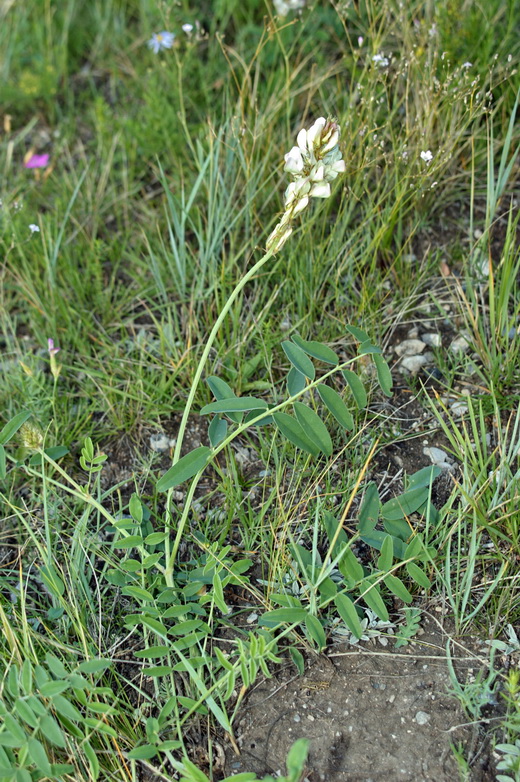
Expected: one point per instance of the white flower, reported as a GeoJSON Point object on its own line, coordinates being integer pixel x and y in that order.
{"type": "Point", "coordinates": [467, 64]}
{"type": "Point", "coordinates": [187, 28]}
{"type": "Point", "coordinates": [427, 156]}
{"type": "Point", "coordinates": [160, 41]}
{"type": "Point", "coordinates": [360, 41]}
{"type": "Point", "coordinates": [313, 164]}
{"type": "Point", "coordinates": [381, 60]}
{"type": "Point", "coordinates": [33, 228]}
{"type": "Point", "coordinates": [284, 6]}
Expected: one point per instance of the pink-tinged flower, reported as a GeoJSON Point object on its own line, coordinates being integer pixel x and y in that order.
{"type": "Point", "coordinates": [37, 161]}
{"type": "Point", "coordinates": [50, 346]}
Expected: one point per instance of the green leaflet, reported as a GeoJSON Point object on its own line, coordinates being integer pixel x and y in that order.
{"type": "Point", "coordinates": [235, 404]}
{"type": "Point", "coordinates": [291, 429]}
{"type": "Point", "coordinates": [335, 405]}
{"type": "Point", "coordinates": [357, 388]}
{"type": "Point", "coordinates": [299, 359]}
{"type": "Point", "coordinates": [313, 427]}
{"type": "Point", "coordinates": [316, 349]}
{"type": "Point", "coordinates": [384, 375]}
{"type": "Point", "coordinates": [347, 611]}
{"type": "Point", "coordinates": [185, 468]}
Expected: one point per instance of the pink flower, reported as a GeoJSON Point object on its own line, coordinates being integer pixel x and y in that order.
{"type": "Point", "coordinates": [50, 346]}
{"type": "Point", "coordinates": [37, 161]}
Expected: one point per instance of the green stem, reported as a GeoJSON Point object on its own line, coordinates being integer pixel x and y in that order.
{"type": "Point", "coordinates": [170, 559]}
{"type": "Point", "coordinates": [209, 344]}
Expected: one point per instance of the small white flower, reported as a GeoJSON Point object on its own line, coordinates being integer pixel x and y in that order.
{"type": "Point", "coordinates": [187, 28]}
{"type": "Point", "coordinates": [427, 156]}
{"type": "Point", "coordinates": [467, 64]}
{"type": "Point", "coordinates": [360, 41]}
{"type": "Point", "coordinates": [294, 161]}
{"type": "Point", "coordinates": [33, 228]}
{"type": "Point", "coordinates": [160, 41]}
{"type": "Point", "coordinates": [432, 32]}
{"type": "Point", "coordinates": [284, 6]}
{"type": "Point", "coordinates": [381, 60]}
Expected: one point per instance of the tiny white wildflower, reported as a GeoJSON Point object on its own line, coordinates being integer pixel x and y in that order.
{"type": "Point", "coordinates": [160, 41]}
{"type": "Point", "coordinates": [284, 6]}
{"type": "Point", "coordinates": [427, 156]}
{"type": "Point", "coordinates": [187, 28]}
{"type": "Point", "coordinates": [467, 64]}
{"type": "Point", "coordinates": [360, 41]}
{"type": "Point", "coordinates": [381, 60]}
{"type": "Point", "coordinates": [432, 32]}
{"type": "Point", "coordinates": [33, 228]}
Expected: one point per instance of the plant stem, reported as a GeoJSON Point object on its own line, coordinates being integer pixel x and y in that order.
{"type": "Point", "coordinates": [209, 344]}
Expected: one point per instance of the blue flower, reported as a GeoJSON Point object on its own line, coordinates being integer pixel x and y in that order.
{"type": "Point", "coordinates": [160, 41]}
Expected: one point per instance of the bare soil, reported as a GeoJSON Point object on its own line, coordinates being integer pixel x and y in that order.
{"type": "Point", "coordinates": [370, 713]}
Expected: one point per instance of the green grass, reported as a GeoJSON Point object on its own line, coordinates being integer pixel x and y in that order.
{"type": "Point", "coordinates": [165, 180]}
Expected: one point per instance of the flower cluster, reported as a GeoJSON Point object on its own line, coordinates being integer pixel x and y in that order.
{"type": "Point", "coordinates": [314, 163]}
{"type": "Point", "coordinates": [284, 6]}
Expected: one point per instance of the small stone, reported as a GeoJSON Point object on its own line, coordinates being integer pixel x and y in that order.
{"type": "Point", "coordinates": [310, 718]}
{"type": "Point", "coordinates": [410, 347]}
{"type": "Point", "coordinates": [251, 618]}
{"type": "Point", "coordinates": [413, 333]}
{"type": "Point", "coordinates": [296, 718]}
{"type": "Point", "coordinates": [438, 457]}
{"type": "Point", "coordinates": [459, 408]}
{"type": "Point", "coordinates": [432, 339]}
{"type": "Point", "coordinates": [413, 364]}
{"type": "Point", "coordinates": [422, 718]}
{"type": "Point", "coordinates": [160, 442]}
{"type": "Point", "coordinates": [459, 345]}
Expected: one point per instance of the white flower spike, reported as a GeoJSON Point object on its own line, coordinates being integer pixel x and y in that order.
{"type": "Point", "coordinates": [313, 164]}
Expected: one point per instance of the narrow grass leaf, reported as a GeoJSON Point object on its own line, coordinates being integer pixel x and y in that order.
{"type": "Point", "coordinates": [299, 359]}
{"type": "Point", "coordinates": [313, 427]}
{"type": "Point", "coordinates": [292, 430]}
{"type": "Point", "coordinates": [347, 611]}
{"type": "Point", "coordinates": [295, 382]}
{"type": "Point", "coordinates": [102, 727]}
{"type": "Point", "coordinates": [185, 468]}
{"type": "Point", "coordinates": [3, 466]}
{"type": "Point", "coordinates": [218, 713]}
{"type": "Point", "coordinates": [335, 405]}
{"type": "Point", "coordinates": [316, 349]}
{"type": "Point", "coordinates": [384, 375]}
{"type": "Point", "coordinates": [12, 426]}
{"type": "Point", "coordinates": [357, 388]}
{"type": "Point", "coordinates": [235, 404]}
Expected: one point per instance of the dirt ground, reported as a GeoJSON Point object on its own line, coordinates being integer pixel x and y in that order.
{"type": "Point", "coordinates": [370, 713]}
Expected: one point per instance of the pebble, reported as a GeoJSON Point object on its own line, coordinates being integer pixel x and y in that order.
{"type": "Point", "coordinates": [432, 339]}
{"type": "Point", "coordinates": [413, 364]}
{"type": "Point", "coordinates": [422, 718]}
{"type": "Point", "coordinates": [459, 408]}
{"type": "Point", "coordinates": [438, 457]}
{"type": "Point", "coordinates": [160, 442]}
{"type": "Point", "coordinates": [297, 718]}
{"type": "Point", "coordinates": [251, 618]}
{"type": "Point", "coordinates": [410, 347]}
{"type": "Point", "coordinates": [459, 345]}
